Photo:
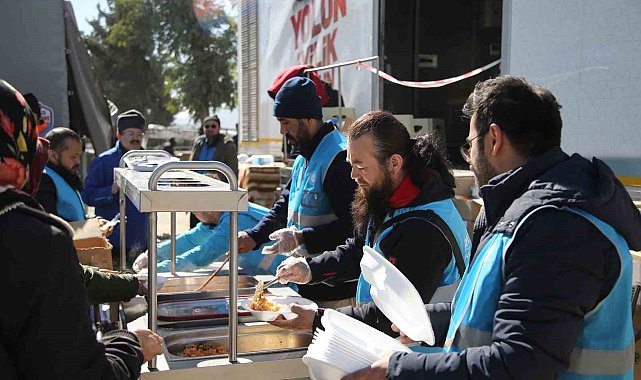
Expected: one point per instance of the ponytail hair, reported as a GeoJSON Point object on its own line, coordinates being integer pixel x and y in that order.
{"type": "Point", "coordinates": [428, 155]}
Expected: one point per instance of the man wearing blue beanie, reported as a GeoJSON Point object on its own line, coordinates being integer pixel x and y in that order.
{"type": "Point", "coordinates": [315, 205]}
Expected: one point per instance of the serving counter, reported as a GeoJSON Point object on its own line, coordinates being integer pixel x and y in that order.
{"type": "Point", "coordinates": [264, 351]}
{"type": "Point", "coordinates": [154, 186]}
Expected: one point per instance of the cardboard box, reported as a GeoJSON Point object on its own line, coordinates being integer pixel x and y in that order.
{"type": "Point", "coordinates": [464, 180]}
{"type": "Point", "coordinates": [92, 248]}
{"type": "Point", "coordinates": [348, 114]}
{"type": "Point", "coordinates": [469, 210]}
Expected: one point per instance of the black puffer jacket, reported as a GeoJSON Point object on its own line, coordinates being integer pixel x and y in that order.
{"type": "Point", "coordinates": [45, 331]}
{"type": "Point", "coordinates": [556, 271]}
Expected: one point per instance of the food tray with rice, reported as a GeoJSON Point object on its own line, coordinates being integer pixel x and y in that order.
{"type": "Point", "coordinates": [268, 308]}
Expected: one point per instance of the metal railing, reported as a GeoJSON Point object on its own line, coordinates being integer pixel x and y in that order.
{"type": "Point", "coordinates": [122, 200]}
{"type": "Point", "coordinates": [338, 66]}
{"type": "Point", "coordinates": [233, 249]}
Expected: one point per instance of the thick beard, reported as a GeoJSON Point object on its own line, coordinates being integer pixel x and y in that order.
{"type": "Point", "coordinates": [360, 215]}
{"type": "Point", "coordinates": [304, 138]}
{"type": "Point", "coordinates": [72, 177]}
{"type": "Point", "coordinates": [371, 205]}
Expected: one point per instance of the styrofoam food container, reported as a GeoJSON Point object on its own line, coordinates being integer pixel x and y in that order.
{"type": "Point", "coordinates": [282, 301]}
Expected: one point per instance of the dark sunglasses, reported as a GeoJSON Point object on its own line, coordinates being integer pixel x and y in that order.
{"type": "Point", "coordinates": [207, 126]}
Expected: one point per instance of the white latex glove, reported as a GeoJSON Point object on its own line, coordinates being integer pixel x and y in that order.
{"type": "Point", "coordinates": [294, 269]}
{"type": "Point", "coordinates": [143, 277]}
{"type": "Point", "coordinates": [288, 244]}
{"type": "Point", "coordinates": [142, 261]}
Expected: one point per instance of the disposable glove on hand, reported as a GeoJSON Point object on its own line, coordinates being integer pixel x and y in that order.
{"type": "Point", "coordinates": [294, 269]}
{"type": "Point", "coordinates": [142, 261]}
{"type": "Point", "coordinates": [143, 278]}
{"type": "Point", "coordinates": [288, 243]}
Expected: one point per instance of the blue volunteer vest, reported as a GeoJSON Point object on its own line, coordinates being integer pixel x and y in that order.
{"type": "Point", "coordinates": [446, 210]}
{"type": "Point", "coordinates": [309, 206]}
{"type": "Point", "coordinates": [69, 202]}
{"type": "Point", "coordinates": [605, 348]}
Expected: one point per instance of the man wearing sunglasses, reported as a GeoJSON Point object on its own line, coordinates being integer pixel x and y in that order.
{"type": "Point", "coordinates": [547, 293]}
{"type": "Point", "coordinates": [214, 146]}
{"type": "Point", "coordinates": [102, 192]}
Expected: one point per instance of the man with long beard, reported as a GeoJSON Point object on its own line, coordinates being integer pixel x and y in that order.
{"type": "Point", "coordinates": [547, 294]}
{"type": "Point", "coordinates": [61, 184]}
{"type": "Point", "coordinates": [403, 209]}
{"type": "Point", "coordinates": [314, 206]}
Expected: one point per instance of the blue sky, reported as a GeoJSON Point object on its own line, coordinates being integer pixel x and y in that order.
{"type": "Point", "coordinates": [86, 10]}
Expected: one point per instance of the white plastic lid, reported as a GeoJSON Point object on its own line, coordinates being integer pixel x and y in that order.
{"type": "Point", "coordinates": [396, 297]}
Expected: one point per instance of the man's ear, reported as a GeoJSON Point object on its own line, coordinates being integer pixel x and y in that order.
{"type": "Point", "coordinates": [496, 138]}
{"type": "Point", "coordinates": [395, 163]}
{"type": "Point", "coordinates": [53, 156]}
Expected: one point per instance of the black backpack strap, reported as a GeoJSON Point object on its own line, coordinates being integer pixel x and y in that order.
{"type": "Point", "coordinates": [435, 220]}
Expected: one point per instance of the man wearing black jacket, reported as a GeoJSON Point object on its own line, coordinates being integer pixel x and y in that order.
{"type": "Point", "coordinates": [316, 210]}
{"type": "Point", "coordinates": [547, 293]}
{"type": "Point", "coordinates": [405, 186]}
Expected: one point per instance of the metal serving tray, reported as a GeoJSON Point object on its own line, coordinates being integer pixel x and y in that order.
{"type": "Point", "coordinates": [182, 288]}
{"type": "Point", "coordinates": [258, 339]}
{"type": "Point", "coordinates": [195, 310]}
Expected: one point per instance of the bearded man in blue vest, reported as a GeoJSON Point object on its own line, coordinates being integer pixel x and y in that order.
{"type": "Point", "coordinates": [61, 183]}
{"type": "Point", "coordinates": [312, 214]}
{"type": "Point", "coordinates": [59, 194]}
{"type": "Point", "coordinates": [548, 291]}
{"type": "Point", "coordinates": [403, 209]}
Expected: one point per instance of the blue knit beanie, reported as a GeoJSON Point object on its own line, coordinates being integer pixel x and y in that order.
{"type": "Point", "coordinates": [297, 99]}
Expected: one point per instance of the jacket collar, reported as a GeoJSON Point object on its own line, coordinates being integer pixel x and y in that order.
{"type": "Point", "coordinates": [410, 194]}
{"type": "Point", "coordinates": [404, 194]}
{"type": "Point", "coordinates": [308, 151]}
{"type": "Point", "coordinates": [503, 189]}
{"type": "Point", "coordinates": [68, 176]}
{"type": "Point", "coordinates": [214, 140]}
{"type": "Point", "coordinates": [120, 149]}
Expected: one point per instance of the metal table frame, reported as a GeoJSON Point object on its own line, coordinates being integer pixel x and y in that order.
{"type": "Point", "coordinates": [152, 245]}
{"type": "Point", "coordinates": [122, 202]}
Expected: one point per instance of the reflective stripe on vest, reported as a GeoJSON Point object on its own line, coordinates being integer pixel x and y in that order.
{"type": "Point", "coordinates": [309, 220]}
{"type": "Point", "coordinates": [605, 347]}
{"type": "Point", "coordinates": [309, 205]}
{"type": "Point", "coordinates": [446, 210]}
{"type": "Point", "coordinates": [68, 200]}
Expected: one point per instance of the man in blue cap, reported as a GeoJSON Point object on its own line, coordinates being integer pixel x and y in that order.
{"type": "Point", "coordinates": [313, 212]}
